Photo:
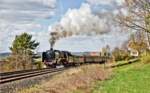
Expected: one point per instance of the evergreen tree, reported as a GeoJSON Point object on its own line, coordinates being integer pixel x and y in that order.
{"type": "Point", "coordinates": [22, 49]}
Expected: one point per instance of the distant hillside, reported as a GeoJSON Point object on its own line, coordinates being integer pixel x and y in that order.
{"type": "Point", "coordinates": [4, 55]}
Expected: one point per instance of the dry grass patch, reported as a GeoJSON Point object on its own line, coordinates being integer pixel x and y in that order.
{"type": "Point", "coordinates": [72, 79]}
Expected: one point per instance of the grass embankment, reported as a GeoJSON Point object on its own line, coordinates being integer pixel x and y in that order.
{"type": "Point", "coordinates": [79, 78]}
{"type": "Point", "coordinates": [134, 78]}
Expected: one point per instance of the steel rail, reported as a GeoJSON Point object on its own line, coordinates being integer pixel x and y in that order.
{"type": "Point", "coordinates": [28, 75]}
{"type": "Point", "coordinates": [24, 73]}
{"type": "Point", "coordinates": [21, 71]}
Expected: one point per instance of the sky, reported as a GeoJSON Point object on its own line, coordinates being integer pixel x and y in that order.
{"type": "Point", "coordinates": [40, 17]}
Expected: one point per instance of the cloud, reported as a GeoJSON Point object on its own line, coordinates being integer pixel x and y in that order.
{"type": "Point", "coordinates": [18, 16]}
{"type": "Point", "coordinates": [9, 31]}
{"type": "Point", "coordinates": [81, 21]}
{"type": "Point", "coordinates": [26, 10]}
{"type": "Point", "coordinates": [97, 2]}
{"type": "Point", "coordinates": [105, 2]}
{"type": "Point", "coordinates": [105, 5]}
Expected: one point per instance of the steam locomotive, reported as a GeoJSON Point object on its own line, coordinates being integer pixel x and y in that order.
{"type": "Point", "coordinates": [53, 58]}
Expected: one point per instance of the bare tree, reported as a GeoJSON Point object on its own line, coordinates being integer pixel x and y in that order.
{"type": "Point", "coordinates": [138, 16]}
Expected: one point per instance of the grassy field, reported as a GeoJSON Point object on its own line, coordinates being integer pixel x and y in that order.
{"type": "Point", "coordinates": [134, 78]}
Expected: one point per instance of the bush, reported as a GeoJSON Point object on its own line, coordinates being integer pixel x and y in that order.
{"type": "Point", "coordinates": [145, 57]}
{"type": "Point", "coordinates": [119, 54]}
{"type": "Point", "coordinates": [39, 64]}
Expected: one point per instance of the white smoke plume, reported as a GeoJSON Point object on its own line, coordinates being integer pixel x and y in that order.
{"type": "Point", "coordinates": [80, 22]}
{"type": "Point", "coordinates": [83, 22]}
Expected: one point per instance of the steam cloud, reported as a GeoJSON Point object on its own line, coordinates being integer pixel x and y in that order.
{"type": "Point", "coordinates": [80, 22]}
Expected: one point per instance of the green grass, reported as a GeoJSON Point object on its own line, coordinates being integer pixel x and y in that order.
{"type": "Point", "coordinates": [133, 78]}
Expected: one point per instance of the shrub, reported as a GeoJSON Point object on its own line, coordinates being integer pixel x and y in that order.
{"type": "Point", "coordinates": [39, 64]}
{"type": "Point", "coordinates": [119, 54]}
{"type": "Point", "coordinates": [145, 57]}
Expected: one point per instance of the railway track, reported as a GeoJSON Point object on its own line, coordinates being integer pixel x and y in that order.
{"type": "Point", "coordinates": [17, 72]}
{"type": "Point", "coordinates": [19, 75]}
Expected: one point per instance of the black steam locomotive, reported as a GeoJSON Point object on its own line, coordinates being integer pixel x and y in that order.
{"type": "Point", "coordinates": [53, 58]}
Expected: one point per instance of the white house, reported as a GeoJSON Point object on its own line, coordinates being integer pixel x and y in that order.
{"type": "Point", "coordinates": [133, 52]}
